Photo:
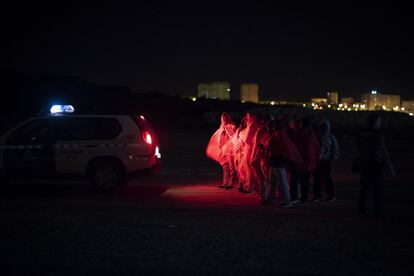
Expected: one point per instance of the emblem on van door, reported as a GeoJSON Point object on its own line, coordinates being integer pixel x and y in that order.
{"type": "Point", "coordinates": [129, 137]}
{"type": "Point", "coordinates": [71, 151]}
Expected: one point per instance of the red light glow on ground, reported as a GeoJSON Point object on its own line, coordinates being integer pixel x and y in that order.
{"type": "Point", "coordinates": [208, 194]}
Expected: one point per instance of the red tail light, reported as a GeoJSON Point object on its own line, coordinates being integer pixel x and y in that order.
{"type": "Point", "coordinates": [146, 136]}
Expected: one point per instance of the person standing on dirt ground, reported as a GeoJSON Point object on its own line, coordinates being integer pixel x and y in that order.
{"type": "Point", "coordinates": [252, 126]}
{"type": "Point", "coordinates": [239, 155]}
{"type": "Point", "coordinates": [309, 148]}
{"type": "Point", "coordinates": [329, 153]}
{"type": "Point", "coordinates": [218, 150]}
{"type": "Point", "coordinates": [282, 154]}
{"type": "Point", "coordinates": [374, 157]}
{"type": "Point", "coordinates": [227, 157]}
{"type": "Point", "coordinates": [258, 160]}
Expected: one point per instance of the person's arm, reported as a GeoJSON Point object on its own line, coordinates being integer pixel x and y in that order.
{"type": "Point", "coordinates": [268, 145]}
{"type": "Point", "coordinates": [385, 154]}
{"type": "Point", "coordinates": [335, 148]}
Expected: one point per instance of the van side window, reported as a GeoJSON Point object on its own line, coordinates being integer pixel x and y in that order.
{"type": "Point", "coordinates": [88, 128]}
{"type": "Point", "coordinates": [36, 132]}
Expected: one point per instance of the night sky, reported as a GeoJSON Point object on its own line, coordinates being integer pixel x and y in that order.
{"type": "Point", "coordinates": [293, 52]}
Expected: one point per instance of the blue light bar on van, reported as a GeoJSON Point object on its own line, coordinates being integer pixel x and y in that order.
{"type": "Point", "coordinates": [57, 108]}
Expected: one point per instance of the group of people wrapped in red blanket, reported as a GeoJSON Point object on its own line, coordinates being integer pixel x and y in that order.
{"type": "Point", "coordinates": [270, 156]}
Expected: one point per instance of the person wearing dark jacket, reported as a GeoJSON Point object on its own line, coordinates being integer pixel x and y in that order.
{"type": "Point", "coordinates": [329, 153]}
{"type": "Point", "coordinates": [374, 157]}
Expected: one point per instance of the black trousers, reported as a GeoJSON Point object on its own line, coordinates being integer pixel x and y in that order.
{"type": "Point", "coordinates": [371, 178]}
{"type": "Point", "coordinates": [302, 179]}
{"type": "Point", "coordinates": [323, 175]}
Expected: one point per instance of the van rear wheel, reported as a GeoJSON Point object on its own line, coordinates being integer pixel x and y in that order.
{"type": "Point", "coordinates": [107, 176]}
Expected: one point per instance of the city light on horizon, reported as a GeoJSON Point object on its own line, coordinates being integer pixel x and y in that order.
{"type": "Point", "coordinates": [370, 101]}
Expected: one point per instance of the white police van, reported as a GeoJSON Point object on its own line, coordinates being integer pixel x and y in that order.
{"type": "Point", "coordinates": [105, 148]}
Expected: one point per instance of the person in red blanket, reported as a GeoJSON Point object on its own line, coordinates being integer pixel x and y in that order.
{"type": "Point", "coordinates": [247, 135]}
{"type": "Point", "coordinates": [237, 143]}
{"type": "Point", "coordinates": [282, 153]}
{"type": "Point", "coordinates": [258, 161]}
{"type": "Point", "coordinates": [220, 149]}
{"type": "Point", "coordinates": [308, 145]}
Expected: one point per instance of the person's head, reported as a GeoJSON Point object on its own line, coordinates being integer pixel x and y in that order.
{"type": "Point", "coordinates": [243, 123]}
{"type": "Point", "coordinates": [225, 118]}
{"type": "Point", "coordinates": [296, 124]}
{"type": "Point", "coordinates": [290, 121]}
{"type": "Point", "coordinates": [374, 121]}
{"type": "Point", "coordinates": [251, 118]}
{"type": "Point", "coordinates": [306, 122]}
{"type": "Point", "coordinates": [264, 119]}
{"type": "Point", "coordinates": [284, 121]}
{"type": "Point", "coordinates": [270, 124]}
{"type": "Point", "coordinates": [324, 127]}
{"type": "Point", "coordinates": [260, 147]}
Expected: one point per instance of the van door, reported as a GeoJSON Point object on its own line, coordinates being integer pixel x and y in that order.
{"type": "Point", "coordinates": [30, 151]}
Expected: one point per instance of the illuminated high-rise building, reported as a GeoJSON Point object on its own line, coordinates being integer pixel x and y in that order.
{"type": "Point", "coordinates": [408, 106]}
{"type": "Point", "coordinates": [332, 97]}
{"type": "Point", "coordinates": [376, 101]}
{"type": "Point", "coordinates": [214, 90]}
{"type": "Point", "coordinates": [347, 101]}
{"type": "Point", "coordinates": [249, 92]}
{"type": "Point", "coordinates": [321, 101]}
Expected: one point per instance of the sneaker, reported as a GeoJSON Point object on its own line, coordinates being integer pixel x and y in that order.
{"type": "Point", "coordinates": [222, 187]}
{"type": "Point", "coordinates": [243, 191]}
{"type": "Point", "coordinates": [229, 187]}
{"type": "Point", "coordinates": [267, 202]}
{"type": "Point", "coordinates": [264, 202]}
{"type": "Point", "coordinates": [285, 205]}
{"type": "Point", "coordinates": [296, 201]}
{"type": "Point", "coordinates": [332, 198]}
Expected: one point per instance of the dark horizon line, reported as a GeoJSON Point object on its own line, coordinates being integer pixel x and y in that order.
{"type": "Point", "coordinates": [183, 94]}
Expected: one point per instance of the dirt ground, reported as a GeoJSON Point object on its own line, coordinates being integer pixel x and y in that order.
{"type": "Point", "coordinates": [179, 222]}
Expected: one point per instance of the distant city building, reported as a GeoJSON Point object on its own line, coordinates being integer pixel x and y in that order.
{"type": "Point", "coordinates": [376, 101]}
{"type": "Point", "coordinates": [271, 102]}
{"type": "Point", "coordinates": [321, 101]}
{"type": "Point", "coordinates": [347, 101]}
{"type": "Point", "coordinates": [408, 106]}
{"type": "Point", "coordinates": [249, 92]}
{"type": "Point", "coordinates": [332, 97]}
{"type": "Point", "coordinates": [214, 90]}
